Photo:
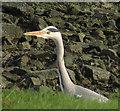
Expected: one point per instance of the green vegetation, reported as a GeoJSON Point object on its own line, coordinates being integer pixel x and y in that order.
{"type": "Point", "coordinates": [31, 99]}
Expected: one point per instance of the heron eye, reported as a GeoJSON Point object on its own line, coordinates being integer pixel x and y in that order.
{"type": "Point", "coordinates": [48, 32]}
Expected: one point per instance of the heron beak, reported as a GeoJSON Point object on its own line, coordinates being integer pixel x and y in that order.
{"type": "Point", "coordinates": [34, 33]}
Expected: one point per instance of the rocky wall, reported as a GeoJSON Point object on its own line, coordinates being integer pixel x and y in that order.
{"type": "Point", "coordinates": [91, 36]}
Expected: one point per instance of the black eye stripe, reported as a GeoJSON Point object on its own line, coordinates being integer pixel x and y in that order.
{"type": "Point", "coordinates": [53, 30]}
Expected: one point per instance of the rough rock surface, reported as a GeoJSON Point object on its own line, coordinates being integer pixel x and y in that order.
{"type": "Point", "coordinates": [91, 36]}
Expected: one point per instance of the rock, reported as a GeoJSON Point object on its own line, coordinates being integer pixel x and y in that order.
{"type": "Point", "coordinates": [49, 74]}
{"type": "Point", "coordinates": [67, 33]}
{"type": "Point", "coordinates": [70, 26]}
{"type": "Point", "coordinates": [57, 21]}
{"type": "Point", "coordinates": [86, 57]}
{"type": "Point", "coordinates": [9, 76]}
{"type": "Point", "coordinates": [38, 64]}
{"type": "Point", "coordinates": [69, 60]}
{"type": "Point", "coordinates": [110, 24]}
{"type": "Point", "coordinates": [81, 36]}
{"type": "Point", "coordinates": [24, 46]}
{"type": "Point", "coordinates": [84, 45]}
{"type": "Point", "coordinates": [88, 31]}
{"type": "Point", "coordinates": [18, 8]}
{"type": "Point", "coordinates": [20, 71]}
{"type": "Point", "coordinates": [110, 32]}
{"type": "Point", "coordinates": [98, 34]}
{"type": "Point", "coordinates": [74, 9]}
{"type": "Point", "coordinates": [97, 44]}
{"type": "Point", "coordinates": [41, 41]}
{"type": "Point", "coordinates": [99, 63]}
{"type": "Point", "coordinates": [24, 60]}
{"type": "Point", "coordinates": [118, 23]}
{"type": "Point", "coordinates": [11, 32]}
{"type": "Point", "coordinates": [42, 23]}
{"type": "Point", "coordinates": [96, 73]}
{"type": "Point", "coordinates": [54, 13]}
{"type": "Point", "coordinates": [76, 48]}
{"type": "Point", "coordinates": [36, 81]}
{"type": "Point", "coordinates": [10, 49]}
{"type": "Point", "coordinates": [72, 75]}
{"type": "Point", "coordinates": [100, 14]}
{"type": "Point", "coordinates": [39, 10]}
{"type": "Point", "coordinates": [5, 83]}
{"type": "Point", "coordinates": [109, 52]}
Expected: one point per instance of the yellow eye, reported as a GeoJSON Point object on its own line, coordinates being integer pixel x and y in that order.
{"type": "Point", "coordinates": [48, 32]}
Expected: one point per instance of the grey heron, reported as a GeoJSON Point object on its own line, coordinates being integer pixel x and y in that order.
{"type": "Point", "coordinates": [67, 85]}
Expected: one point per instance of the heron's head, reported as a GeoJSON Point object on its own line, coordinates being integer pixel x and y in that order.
{"type": "Point", "coordinates": [49, 32]}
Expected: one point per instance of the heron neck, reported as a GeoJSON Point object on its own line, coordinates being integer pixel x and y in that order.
{"type": "Point", "coordinates": [65, 80]}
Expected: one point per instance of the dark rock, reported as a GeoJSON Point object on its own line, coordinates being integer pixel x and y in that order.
{"type": "Point", "coordinates": [110, 32]}
{"type": "Point", "coordinates": [109, 52]}
{"type": "Point", "coordinates": [9, 76]}
{"type": "Point", "coordinates": [98, 34]}
{"type": "Point", "coordinates": [96, 73]}
{"type": "Point", "coordinates": [20, 71]}
{"type": "Point", "coordinates": [100, 14]}
{"type": "Point", "coordinates": [110, 24]}
{"type": "Point", "coordinates": [18, 8]}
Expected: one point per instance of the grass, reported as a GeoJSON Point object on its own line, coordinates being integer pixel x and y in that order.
{"type": "Point", "coordinates": [31, 99]}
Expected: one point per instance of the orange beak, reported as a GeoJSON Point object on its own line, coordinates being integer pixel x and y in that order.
{"type": "Point", "coordinates": [34, 33]}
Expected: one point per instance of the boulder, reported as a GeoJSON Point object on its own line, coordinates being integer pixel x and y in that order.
{"type": "Point", "coordinates": [96, 73]}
